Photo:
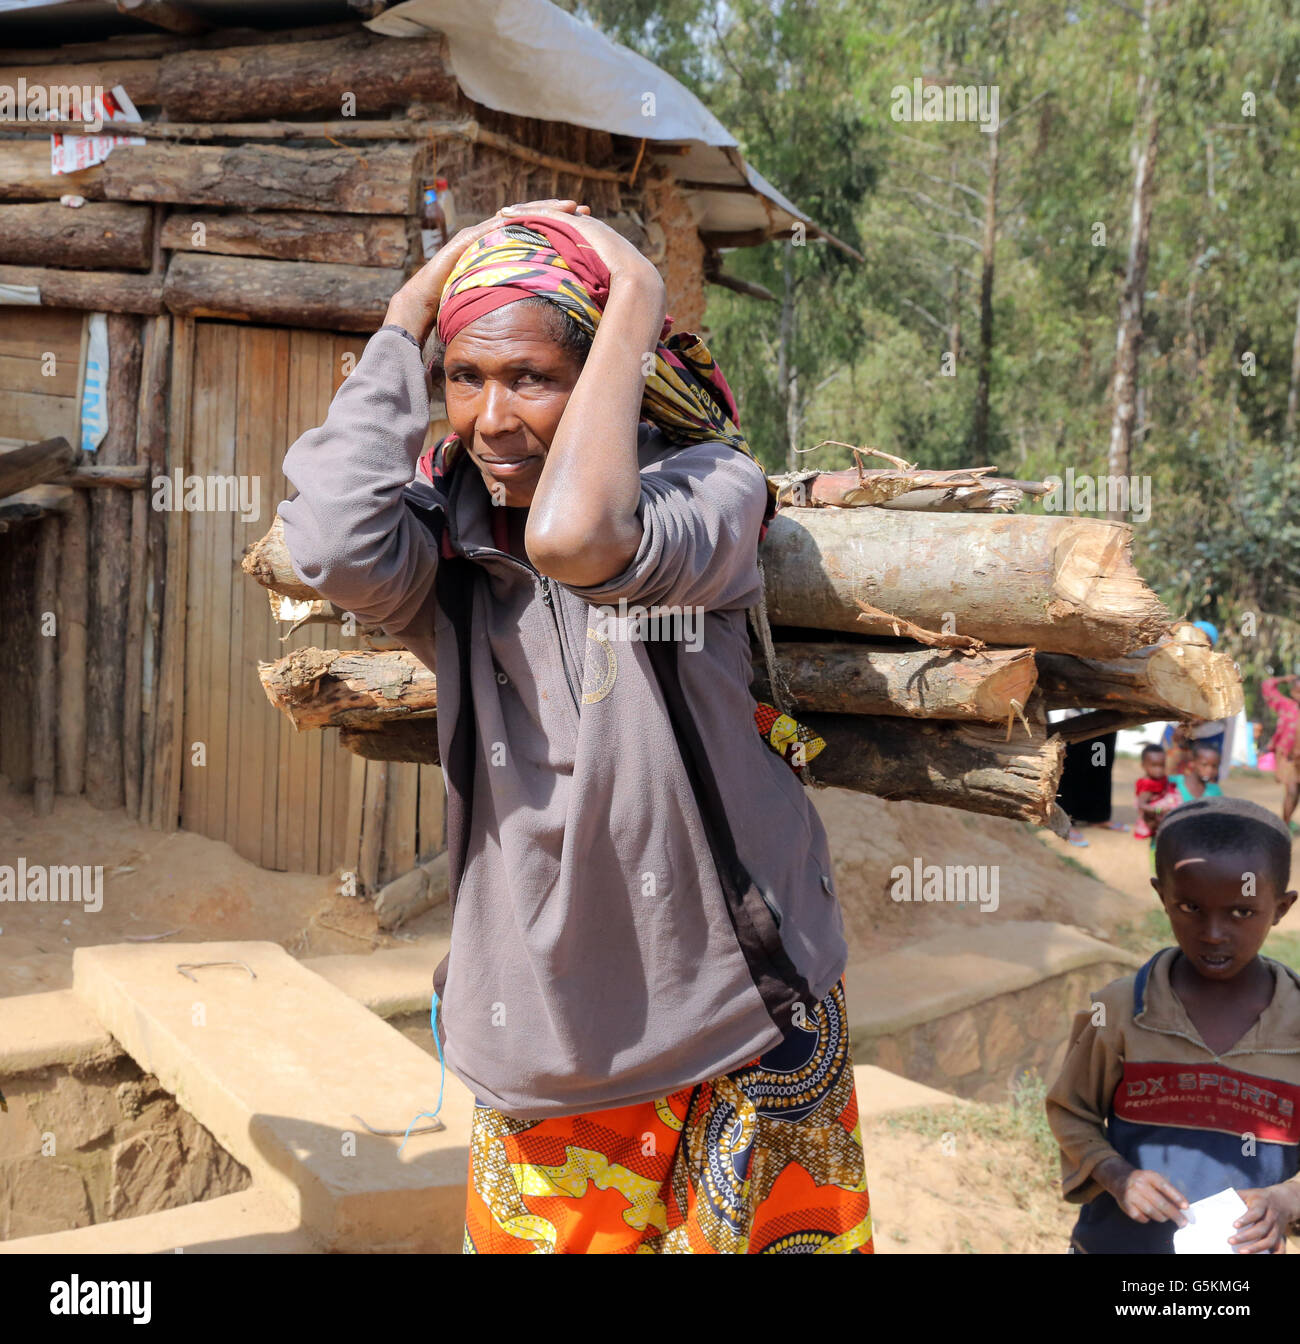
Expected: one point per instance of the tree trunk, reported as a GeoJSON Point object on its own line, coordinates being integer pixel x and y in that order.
{"type": "Point", "coordinates": [138, 77]}
{"type": "Point", "coordinates": [40, 501]}
{"type": "Point", "coordinates": [909, 682]}
{"type": "Point", "coordinates": [1293, 391]}
{"type": "Point", "coordinates": [285, 235]}
{"type": "Point", "coordinates": [786, 374]}
{"type": "Point", "coordinates": [300, 77]}
{"type": "Point", "coordinates": [381, 181]}
{"type": "Point", "coordinates": [106, 235]}
{"type": "Point", "coordinates": [1059, 584]}
{"type": "Point", "coordinates": [280, 293]}
{"type": "Point", "coordinates": [980, 420]}
{"type": "Point", "coordinates": [94, 291]}
{"type": "Point", "coordinates": [1128, 340]}
{"type": "Point", "coordinates": [34, 464]}
{"type": "Point", "coordinates": [110, 549]}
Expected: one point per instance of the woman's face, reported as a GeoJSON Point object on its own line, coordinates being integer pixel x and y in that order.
{"type": "Point", "coordinates": [507, 383]}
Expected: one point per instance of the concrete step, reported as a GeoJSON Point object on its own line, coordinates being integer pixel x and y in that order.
{"type": "Point", "coordinates": [275, 1068]}
{"type": "Point", "coordinates": [252, 1222]}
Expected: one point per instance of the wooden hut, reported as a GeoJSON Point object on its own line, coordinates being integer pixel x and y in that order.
{"type": "Point", "coordinates": [181, 311]}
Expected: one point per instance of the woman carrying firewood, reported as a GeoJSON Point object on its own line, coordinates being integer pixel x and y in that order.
{"type": "Point", "coordinates": [644, 984]}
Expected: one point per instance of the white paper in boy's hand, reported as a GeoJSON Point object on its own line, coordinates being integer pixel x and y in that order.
{"type": "Point", "coordinates": [1210, 1225]}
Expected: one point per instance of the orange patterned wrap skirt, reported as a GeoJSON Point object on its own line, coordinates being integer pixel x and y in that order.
{"type": "Point", "coordinates": [765, 1160]}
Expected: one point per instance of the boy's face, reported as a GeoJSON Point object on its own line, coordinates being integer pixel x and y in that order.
{"type": "Point", "coordinates": [1221, 910]}
{"type": "Point", "coordinates": [1206, 765]}
{"type": "Point", "coordinates": [1154, 763]}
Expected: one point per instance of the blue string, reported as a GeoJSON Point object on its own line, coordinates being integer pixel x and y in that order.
{"type": "Point", "coordinates": [442, 1073]}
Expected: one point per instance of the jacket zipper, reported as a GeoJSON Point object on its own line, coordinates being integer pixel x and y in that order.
{"type": "Point", "coordinates": [559, 630]}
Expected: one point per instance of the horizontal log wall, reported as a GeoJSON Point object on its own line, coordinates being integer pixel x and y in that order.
{"type": "Point", "coordinates": [106, 235]}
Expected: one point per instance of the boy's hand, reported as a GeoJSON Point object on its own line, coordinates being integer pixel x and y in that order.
{"type": "Point", "coordinates": [1262, 1228]}
{"type": "Point", "coordinates": [1148, 1197]}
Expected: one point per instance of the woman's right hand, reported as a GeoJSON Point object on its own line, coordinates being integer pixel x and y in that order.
{"type": "Point", "coordinates": [415, 305]}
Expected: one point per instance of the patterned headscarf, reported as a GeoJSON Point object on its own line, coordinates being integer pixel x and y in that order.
{"type": "Point", "coordinates": [686, 396]}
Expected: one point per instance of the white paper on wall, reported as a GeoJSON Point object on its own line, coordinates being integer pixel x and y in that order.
{"type": "Point", "coordinates": [94, 390]}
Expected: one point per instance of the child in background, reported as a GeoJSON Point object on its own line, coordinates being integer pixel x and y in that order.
{"type": "Point", "coordinates": [1285, 744]}
{"type": "Point", "coordinates": [1200, 775]}
{"type": "Point", "coordinates": [1184, 1079]}
{"type": "Point", "coordinates": [1156, 794]}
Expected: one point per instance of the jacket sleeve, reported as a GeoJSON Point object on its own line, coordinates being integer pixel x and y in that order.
{"type": "Point", "coordinates": [701, 508]}
{"type": "Point", "coordinates": [1080, 1100]}
{"type": "Point", "coordinates": [349, 532]}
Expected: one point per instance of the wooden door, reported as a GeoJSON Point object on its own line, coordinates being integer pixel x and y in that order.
{"type": "Point", "coordinates": [285, 800]}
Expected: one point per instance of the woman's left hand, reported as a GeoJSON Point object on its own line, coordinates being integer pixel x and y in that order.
{"type": "Point", "coordinates": [624, 261]}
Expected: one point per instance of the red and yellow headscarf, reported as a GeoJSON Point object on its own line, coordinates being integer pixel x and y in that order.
{"type": "Point", "coordinates": [686, 396]}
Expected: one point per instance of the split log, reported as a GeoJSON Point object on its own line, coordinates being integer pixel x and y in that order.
{"type": "Point", "coordinates": [1181, 677]}
{"type": "Point", "coordinates": [106, 234]}
{"type": "Point", "coordinates": [35, 464]}
{"type": "Point", "coordinates": [39, 502]}
{"type": "Point", "coordinates": [280, 293]}
{"type": "Point", "coordinates": [96, 291]}
{"type": "Point", "coordinates": [25, 174]}
{"type": "Point", "coordinates": [1084, 727]}
{"type": "Point", "coordinates": [45, 685]}
{"type": "Point", "coordinates": [74, 581]}
{"type": "Point", "coordinates": [381, 181]}
{"type": "Point", "coordinates": [969, 765]}
{"type": "Point", "coordinates": [287, 235]}
{"type": "Point", "coordinates": [1060, 584]}
{"type": "Point", "coordinates": [325, 688]}
{"type": "Point", "coordinates": [110, 547]}
{"type": "Point", "coordinates": [906, 682]}
{"type": "Point", "coordinates": [290, 79]}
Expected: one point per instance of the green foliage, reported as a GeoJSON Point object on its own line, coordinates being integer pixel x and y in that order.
{"type": "Point", "coordinates": [805, 86]}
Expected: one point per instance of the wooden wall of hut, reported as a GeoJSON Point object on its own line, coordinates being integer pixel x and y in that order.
{"type": "Point", "coordinates": [240, 253]}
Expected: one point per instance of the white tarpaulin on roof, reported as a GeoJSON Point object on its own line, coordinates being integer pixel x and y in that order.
{"type": "Point", "coordinates": [531, 59]}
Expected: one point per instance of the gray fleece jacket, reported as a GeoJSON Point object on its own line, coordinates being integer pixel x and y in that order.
{"type": "Point", "coordinates": [642, 891]}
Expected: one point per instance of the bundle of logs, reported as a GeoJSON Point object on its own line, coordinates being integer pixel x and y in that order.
{"type": "Point", "coordinates": [920, 629]}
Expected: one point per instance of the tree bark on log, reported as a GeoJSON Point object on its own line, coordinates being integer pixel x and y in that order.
{"type": "Point", "coordinates": [94, 475]}
{"type": "Point", "coordinates": [104, 234]}
{"type": "Point", "coordinates": [968, 765]}
{"type": "Point", "coordinates": [110, 538]}
{"type": "Point", "coordinates": [380, 181]}
{"type": "Point", "coordinates": [326, 688]}
{"type": "Point", "coordinates": [25, 175]}
{"type": "Point", "coordinates": [1181, 677]}
{"type": "Point", "coordinates": [280, 293]}
{"type": "Point", "coordinates": [74, 579]}
{"type": "Point", "coordinates": [300, 77]}
{"type": "Point", "coordinates": [902, 682]}
{"type": "Point", "coordinates": [95, 291]}
{"type": "Point", "coordinates": [35, 464]}
{"type": "Point", "coordinates": [289, 235]}
{"type": "Point", "coordinates": [1061, 585]}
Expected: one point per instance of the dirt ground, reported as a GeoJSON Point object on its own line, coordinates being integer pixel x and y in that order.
{"type": "Point", "coordinates": [977, 1181]}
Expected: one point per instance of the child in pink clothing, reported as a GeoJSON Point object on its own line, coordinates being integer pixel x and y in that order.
{"type": "Point", "coordinates": [1155, 792]}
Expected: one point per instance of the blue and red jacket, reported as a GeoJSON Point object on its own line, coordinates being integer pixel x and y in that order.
{"type": "Point", "coordinates": [1138, 1082]}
